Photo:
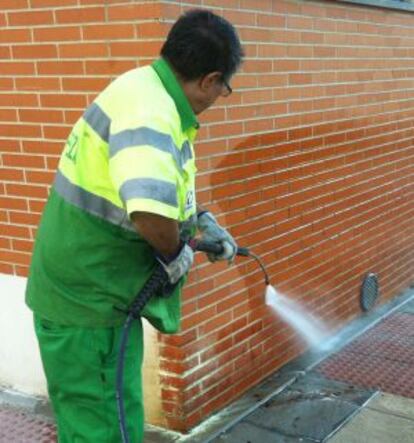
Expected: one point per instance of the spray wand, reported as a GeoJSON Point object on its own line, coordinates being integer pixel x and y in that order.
{"type": "Point", "coordinates": [154, 284]}
{"type": "Point", "coordinates": [216, 248]}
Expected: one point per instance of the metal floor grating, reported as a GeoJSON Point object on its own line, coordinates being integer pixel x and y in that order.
{"type": "Point", "coordinates": [382, 358]}
{"type": "Point", "coordinates": [21, 427]}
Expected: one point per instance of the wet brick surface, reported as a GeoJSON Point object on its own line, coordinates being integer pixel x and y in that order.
{"type": "Point", "coordinates": [20, 427]}
{"type": "Point", "coordinates": [382, 358]}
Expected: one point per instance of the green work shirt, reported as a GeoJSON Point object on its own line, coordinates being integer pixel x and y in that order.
{"type": "Point", "coordinates": [132, 150]}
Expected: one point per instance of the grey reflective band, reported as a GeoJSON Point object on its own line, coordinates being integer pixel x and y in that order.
{"type": "Point", "coordinates": [98, 121]}
{"type": "Point", "coordinates": [150, 188]}
{"type": "Point", "coordinates": [149, 137]}
{"type": "Point", "coordinates": [186, 152]}
{"type": "Point", "coordinates": [91, 203]}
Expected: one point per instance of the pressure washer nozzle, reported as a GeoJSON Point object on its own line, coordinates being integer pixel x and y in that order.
{"type": "Point", "coordinates": [244, 252]}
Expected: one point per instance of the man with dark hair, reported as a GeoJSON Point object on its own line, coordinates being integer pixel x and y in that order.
{"type": "Point", "coordinates": [202, 43]}
{"type": "Point", "coordinates": [124, 200]}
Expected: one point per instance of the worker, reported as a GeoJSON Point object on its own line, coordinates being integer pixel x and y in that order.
{"type": "Point", "coordinates": [122, 201]}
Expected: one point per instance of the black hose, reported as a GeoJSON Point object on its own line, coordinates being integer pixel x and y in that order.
{"type": "Point", "coordinates": [155, 283]}
{"type": "Point", "coordinates": [267, 280]}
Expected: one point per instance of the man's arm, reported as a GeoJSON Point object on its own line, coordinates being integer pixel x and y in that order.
{"type": "Point", "coordinates": [160, 232]}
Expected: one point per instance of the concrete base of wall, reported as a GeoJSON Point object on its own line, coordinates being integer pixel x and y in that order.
{"type": "Point", "coordinates": [21, 367]}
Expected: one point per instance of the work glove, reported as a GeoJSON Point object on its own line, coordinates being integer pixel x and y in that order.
{"type": "Point", "coordinates": [179, 265]}
{"type": "Point", "coordinates": [212, 232]}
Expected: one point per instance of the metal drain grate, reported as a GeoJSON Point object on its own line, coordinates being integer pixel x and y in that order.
{"type": "Point", "coordinates": [369, 291]}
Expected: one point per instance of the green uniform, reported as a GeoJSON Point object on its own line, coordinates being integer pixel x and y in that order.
{"type": "Point", "coordinates": [132, 150]}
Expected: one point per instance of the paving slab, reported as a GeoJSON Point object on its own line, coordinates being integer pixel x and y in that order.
{"type": "Point", "coordinates": [393, 404]}
{"type": "Point", "coordinates": [249, 433]}
{"type": "Point", "coordinates": [213, 426]}
{"type": "Point", "coordinates": [384, 420]}
{"type": "Point", "coordinates": [310, 409]}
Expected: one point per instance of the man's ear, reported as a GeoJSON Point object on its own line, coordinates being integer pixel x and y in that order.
{"type": "Point", "coordinates": [209, 80]}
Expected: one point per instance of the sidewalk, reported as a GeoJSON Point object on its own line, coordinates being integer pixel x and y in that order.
{"type": "Point", "coordinates": [363, 392]}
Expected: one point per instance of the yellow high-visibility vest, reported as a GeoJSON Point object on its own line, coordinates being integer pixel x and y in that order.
{"type": "Point", "coordinates": [132, 150]}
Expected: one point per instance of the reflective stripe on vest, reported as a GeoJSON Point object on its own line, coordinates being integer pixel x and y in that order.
{"type": "Point", "coordinates": [91, 203]}
{"type": "Point", "coordinates": [150, 137]}
{"type": "Point", "coordinates": [158, 190]}
{"type": "Point", "coordinates": [98, 121]}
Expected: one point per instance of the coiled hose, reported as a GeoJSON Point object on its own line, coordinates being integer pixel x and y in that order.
{"type": "Point", "coordinates": [155, 283]}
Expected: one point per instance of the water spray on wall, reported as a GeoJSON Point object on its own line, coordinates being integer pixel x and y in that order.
{"type": "Point", "coordinates": [284, 307]}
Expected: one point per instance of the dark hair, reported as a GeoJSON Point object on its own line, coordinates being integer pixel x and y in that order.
{"type": "Point", "coordinates": [201, 42]}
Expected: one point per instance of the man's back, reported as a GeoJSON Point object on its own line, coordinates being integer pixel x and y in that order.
{"type": "Point", "coordinates": [127, 152]}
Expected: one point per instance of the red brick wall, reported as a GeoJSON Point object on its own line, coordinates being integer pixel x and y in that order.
{"type": "Point", "coordinates": [55, 55]}
{"type": "Point", "coordinates": [309, 163]}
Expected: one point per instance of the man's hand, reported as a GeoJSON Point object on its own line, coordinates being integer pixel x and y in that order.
{"type": "Point", "coordinates": [213, 232]}
{"type": "Point", "coordinates": [180, 265]}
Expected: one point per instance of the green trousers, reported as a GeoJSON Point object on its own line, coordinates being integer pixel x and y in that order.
{"type": "Point", "coordinates": [80, 368]}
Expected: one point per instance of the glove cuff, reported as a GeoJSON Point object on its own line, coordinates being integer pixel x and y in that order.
{"type": "Point", "coordinates": [205, 219]}
{"type": "Point", "coordinates": [180, 265]}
